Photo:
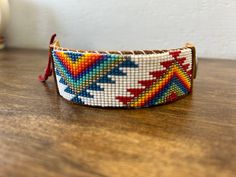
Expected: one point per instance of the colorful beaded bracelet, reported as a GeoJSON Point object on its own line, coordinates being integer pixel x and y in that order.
{"type": "Point", "coordinates": [130, 79]}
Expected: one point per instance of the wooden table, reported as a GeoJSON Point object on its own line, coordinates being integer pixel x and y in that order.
{"type": "Point", "coordinates": [42, 135]}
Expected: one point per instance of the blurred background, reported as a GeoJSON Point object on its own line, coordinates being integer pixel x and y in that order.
{"type": "Point", "coordinates": [125, 24]}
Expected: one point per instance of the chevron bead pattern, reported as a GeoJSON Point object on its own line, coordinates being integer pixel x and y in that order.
{"type": "Point", "coordinates": [115, 80]}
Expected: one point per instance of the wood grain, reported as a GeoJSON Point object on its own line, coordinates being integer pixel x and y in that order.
{"type": "Point", "coordinates": [42, 135]}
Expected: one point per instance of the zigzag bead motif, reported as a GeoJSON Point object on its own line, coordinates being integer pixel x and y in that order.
{"type": "Point", "coordinates": [114, 80]}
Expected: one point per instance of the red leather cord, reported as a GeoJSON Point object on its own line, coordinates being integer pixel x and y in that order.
{"type": "Point", "coordinates": [48, 69]}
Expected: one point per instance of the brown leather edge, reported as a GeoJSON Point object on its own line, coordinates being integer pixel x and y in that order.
{"type": "Point", "coordinates": [56, 46]}
{"type": "Point", "coordinates": [192, 47]}
{"type": "Point", "coordinates": [53, 68]}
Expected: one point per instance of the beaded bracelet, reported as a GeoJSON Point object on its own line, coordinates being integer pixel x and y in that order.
{"type": "Point", "coordinates": [130, 79]}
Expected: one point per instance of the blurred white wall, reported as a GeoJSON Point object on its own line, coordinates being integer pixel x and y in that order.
{"type": "Point", "coordinates": [126, 24]}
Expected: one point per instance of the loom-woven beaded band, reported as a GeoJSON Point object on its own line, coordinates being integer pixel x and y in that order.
{"type": "Point", "coordinates": [122, 79]}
